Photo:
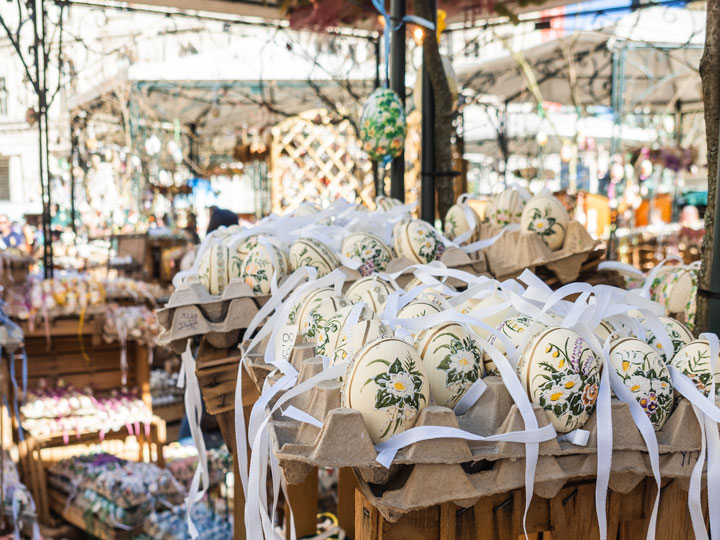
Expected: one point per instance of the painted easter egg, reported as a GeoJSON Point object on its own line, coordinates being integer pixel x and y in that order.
{"type": "Point", "coordinates": [456, 223]}
{"type": "Point", "coordinates": [453, 361]}
{"type": "Point", "coordinates": [317, 314]}
{"type": "Point", "coordinates": [518, 330]}
{"type": "Point", "coordinates": [306, 302]}
{"type": "Point", "coordinates": [562, 375]}
{"type": "Point", "coordinates": [347, 317]}
{"type": "Point", "coordinates": [261, 264]}
{"type": "Point", "coordinates": [384, 203]}
{"type": "Point", "coordinates": [369, 250]}
{"type": "Point", "coordinates": [492, 310]}
{"type": "Point", "coordinates": [506, 208]}
{"type": "Point", "coordinates": [677, 332]}
{"type": "Point", "coordinates": [644, 373]}
{"type": "Point", "coordinates": [353, 338]}
{"type": "Point", "coordinates": [418, 241]}
{"type": "Point", "coordinates": [677, 289]}
{"type": "Point", "coordinates": [373, 290]}
{"type": "Point", "coordinates": [311, 252]}
{"type": "Point", "coordinates": [214, 267]}
{"type": "Point", "coordinates": [546, 216]}
{"type": "Point", "coordinates": [239, 252]}
{"type": "Point", "coordinates": [382, 125]}
{"type": "Point", "coordinates": [613, 326]}
{"type": "Point", "coordinates": [416, 309]}
{"type": "Point", "coordinates": [388, 384]}
{"type": "Point", "coordinates": [694, 361]}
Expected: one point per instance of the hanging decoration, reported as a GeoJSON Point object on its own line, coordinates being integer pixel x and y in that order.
{"type": "Point", "coordinates": [383, 126]}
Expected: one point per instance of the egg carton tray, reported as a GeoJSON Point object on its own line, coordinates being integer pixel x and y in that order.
{"type": "Point", "coordinates": [193, 311]}
{"type": "Point", "coordinates": [414, 487]}
{"type": "Point", "coordinates": [515, 251]}
{"type": "Point", "coordinates": [343, 440]}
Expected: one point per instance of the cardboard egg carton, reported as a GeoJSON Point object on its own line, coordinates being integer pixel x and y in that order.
{"type": "Point", "coordinates": [193, 311]}
{"type": "Point", "coordinates": [344, 440]}
{"type": "Point", "coordinates": [515, 251]}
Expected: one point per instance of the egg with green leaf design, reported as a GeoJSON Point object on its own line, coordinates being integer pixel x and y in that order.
{"type": "Point", "coordinates": [383, 125]}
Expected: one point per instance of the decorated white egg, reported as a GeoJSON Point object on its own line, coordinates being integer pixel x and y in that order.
{"type": "Point", "coordinates": [373, 290]}
{"type": "Point", "coordinates": [353, 338]}
{"type": "Point", "coordinates": [546, 216]}
{"type": "Point", "coordinates": [318, 313]}
{"type": "Point", "coordinates": [418, 241]}
{"type": "Point", "coordinates": [416, 309]}
{"type": "Point", "coordinates": [492, 310]}
{"type": "Point", "coordinates": [311, 252]}
{"type": "Point", "coordinates": [214, 267]}
{"type": "Point", "coordinates": [516, 330]}
{"type": "Point", "coordinates": [453, 361]}
{"type": "Point", "coordinates": [456, 222]}
{"type": "Point", "coordinates": [239, 252]}
{"type": "Point", "coordinates": [383, 125]}
{"type": "Point", "coordinates": [384, 203]}
{"type": "Point", "coordinates": [653, 283]}
{"type": "Point", "coordinates": [506, 208]}
{"type": "Point", "coordinates": [694, 361]}
{"type": "Point", "coordinates": [645, 374]}
{"type": "Point", "coordinates": [327, 337]}
{"type": "Point", "coordinates": [300, 311]}
{"type": "Point", "coordinates": [562, 375]}
{"type": "Point", "coordinates": [677, 290]}
{"type": "Point", "coordinates": [261, 264]}
{"type": "Point", "coordinates": [388, 384]}
{"type": "Point", "coordinates": [613, 326]}
{"type": "Point", "coordinates": [369, 250]}
{"type": "Point", "coordinates": [677, 332]}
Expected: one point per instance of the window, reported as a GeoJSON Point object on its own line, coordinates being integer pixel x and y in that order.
{"type": "Point", "coordinates": [4, 179]}
{"type": "Point", "coordinates": [3, 97]}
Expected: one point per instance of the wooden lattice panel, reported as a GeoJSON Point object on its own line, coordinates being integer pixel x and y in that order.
{"type": "Point", "coordinates": [316, 160]}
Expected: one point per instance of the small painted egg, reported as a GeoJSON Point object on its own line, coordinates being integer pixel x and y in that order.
{"type": "Point", "coordinates": [677, 289]}
{"type": "Point", "coordinates": [388, 384]}
{"type": "Point", "coordinates": [245, 246]}
{"type": "Point", "coordinates": [372, 290]}
{"type": "Point", "coordinates": [654, 285]}
{"type": "Point", "coordinates": [645, 374]}
{"type": "Point", "coordinates": [453, 361]}
{"type": "Point", "coordinates": [492, 310]}
{"type": "Point", "coordinates": [354, 338]}
{"type": "Point", "coordinates": [546, 216]}
{"type": "Point", "coordinates": [301, 310]}
{"type": "Point", "coordinates": [562, 375]}
{"type": "Point", "coordinates": [213, 268]}
{"type": "Point", "coordinates": [456, 222]}
{"type": "Point", "coordinates": [369, 250]}
{"type": "Point", "coordinates": [327, 337]}
{"type": "Point", "coordinates": [319, 314]}
{"type": "Point", "coordinates": [311, 252]}
{"type": "Point", "coordinates": [383, 125]}
{"type": "Point", "coordinates": [416, 309]}
{"type": "Point", "coordinates": [677, 332]}
{"type": "Point", "coordinates": [613, 326]}
{"type": "Point", "coordinates": [694, 361]}
{"type": "Point", "coordinates": [418, 241]}
{"type": "Point", "coordinates": [384, 203]}
{"type": "Point", "coordinates": [518, 330]}
{"type": "Point", "coordinates": [506, 208]}
{"type": "Point", "coordinates": [261, 264]}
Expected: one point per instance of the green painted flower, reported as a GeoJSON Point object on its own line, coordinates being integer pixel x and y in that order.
{"type": "Point", "coordinates": [463, 364]}
{"type": "Point", "coordinates": [382, 125]}
{"type": "Point", "coordinates": [544, 224]}
{"type": "Point", "coordinates": [399, 391]}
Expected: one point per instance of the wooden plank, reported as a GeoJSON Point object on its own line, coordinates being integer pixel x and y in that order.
{"type": "Point", "coordinates": [347, 484]}
{"type": "Point", "coordinates": [171, 413]}
{"type": "Point", "coordinates": [303, 499]}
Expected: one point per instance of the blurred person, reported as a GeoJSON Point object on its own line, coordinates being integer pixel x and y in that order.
{"type": "Point", "coordinates": [220, 217]}
{"type": "Point", "coordinates": [11, 234]}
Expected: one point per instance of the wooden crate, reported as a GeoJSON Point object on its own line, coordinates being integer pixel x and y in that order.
{"type": "Point", "coordinates": [567, 516]}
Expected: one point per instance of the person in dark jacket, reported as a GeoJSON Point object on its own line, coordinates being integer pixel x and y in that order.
{"type": "Point", "coordinates": [220, 217]}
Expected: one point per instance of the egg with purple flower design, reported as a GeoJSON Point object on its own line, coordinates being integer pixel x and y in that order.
{"type": "Point", "coordinates": [561, 374]}
{"type": "Point", "coordinates": [367, 249]}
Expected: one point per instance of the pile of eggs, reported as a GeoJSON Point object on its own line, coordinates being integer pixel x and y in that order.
{"type": "Point", "coordinates": [392, 372]}
{"type": "Point", "coordinates": [257, 259]}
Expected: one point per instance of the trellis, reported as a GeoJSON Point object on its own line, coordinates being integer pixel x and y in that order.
{"type": "Point", "coordinates": [315, 159]}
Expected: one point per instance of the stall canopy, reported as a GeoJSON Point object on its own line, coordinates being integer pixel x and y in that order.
{"type": "Point", "coordinates": [648, 59]}
{"type": "Point", "coordinates": [216, 90]}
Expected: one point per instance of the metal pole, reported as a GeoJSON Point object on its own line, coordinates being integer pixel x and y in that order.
{"type": "Point", "coordinates": [73, 164]}
{"type": "Point", "coordinates": [714, 293]}
{"type": "Point", "coordinates": [398, 10]}
{"type": "Point", "coordinates": [378, 179]}
{"type": "Point", "coordinates": [427, 191]}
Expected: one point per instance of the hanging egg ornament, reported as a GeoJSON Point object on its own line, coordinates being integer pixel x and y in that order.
{"type": "Point", "coordinates": [327, 336]}
{"type": "Point", "coordinates": [382, 125]}
{"type": "Point", "coordinates": [354, 338]}
{"type": "Point", "coordinates": [418, 241]}
{"type": "Point", "coordinates": [546, 216]}
{"type": "Point", "coordinates": [695, 362]}
{"type": "Point", "coordinates": [372, 290]}
{"type": "Point", "coordinates": [214, 267]}
{"type": "Point", "coordinates": [369, 250]}
{"type": "Point", "coordinates": [262, 263]}
{"type": "Point", "coordinates": [311, 252]}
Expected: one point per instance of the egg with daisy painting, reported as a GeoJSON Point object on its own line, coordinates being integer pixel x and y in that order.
{"type": "Point", "coordinates": [545, 216]}
{"type": "Point", "coordinates": [388, 384]}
